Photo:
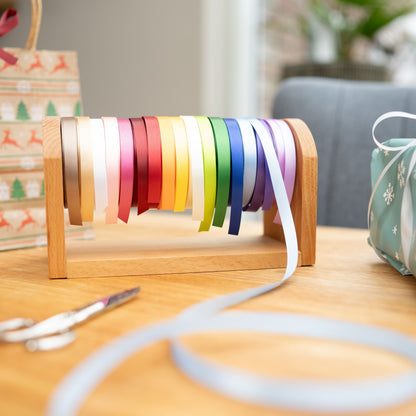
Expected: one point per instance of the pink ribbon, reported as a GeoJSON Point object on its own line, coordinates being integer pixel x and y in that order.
{"type": "Point", "coordinates": [8, 21]}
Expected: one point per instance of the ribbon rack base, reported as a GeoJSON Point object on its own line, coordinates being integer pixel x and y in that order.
{"type": "Point", "coordinates": [137, 249]}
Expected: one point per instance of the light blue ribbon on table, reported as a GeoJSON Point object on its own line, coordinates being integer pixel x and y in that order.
{"type": "Point", "coordinates": [296, 394]}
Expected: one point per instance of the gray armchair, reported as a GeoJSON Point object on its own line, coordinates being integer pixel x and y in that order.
{"type": "Point", "coordinates": [340, 115]}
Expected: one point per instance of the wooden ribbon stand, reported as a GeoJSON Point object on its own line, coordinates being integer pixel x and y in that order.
{"type": "Point", "coordinates": [151, 247]}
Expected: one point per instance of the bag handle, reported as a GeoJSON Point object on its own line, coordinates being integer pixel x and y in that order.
{"type": "Point", "coordinates": [32, 39]}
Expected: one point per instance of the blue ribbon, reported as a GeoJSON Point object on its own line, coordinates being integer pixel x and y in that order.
{"type": "Point", "coordinates": [237, 174]}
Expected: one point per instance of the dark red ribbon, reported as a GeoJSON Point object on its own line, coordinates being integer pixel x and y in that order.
{"type": "Point", "coordinates": [142, 172]}
{"type": "Point", "coordinates": [8, 21]}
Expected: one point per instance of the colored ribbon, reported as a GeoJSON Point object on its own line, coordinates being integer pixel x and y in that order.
{"type": "Point", "coordinates": [112, 159]}
{"type": "Point", "coordinates": [223, 155]}
{"type": "Point", "coordinates": [182, 163]}
{"type": "Point", "coordinates": [126, 169]}
{"type": "Point", "coordinates": [258, 192]}
{"type": "Point", "coordinates": [289, 158]}
{"type": "Point", "coordinates": [210, 170]}
{"type": "Point", "coordinates": [70, 169]}
{"type": "Point", "coordinates": [196, 161]}
{"type": "Point", "coordinates": [100, 173]}
{"type": "Point", "coordinates": [154, 147]}
{"type": "Point", "coordinates": [250, 159]}
{"type": "Point", "coordinates": [237, 175]}
{"type": "Point", "coordinates": [141, 151]}
{"type": "Point", "coordinates": [86, 168]}
{"type": "Point", "coordinates": [8, 21]}
{"type": "Point", "coordinates": [268, 189]}
{"type": "Point", "coordinates": [290, 161]}
{"type": "Point", "coordinates": [168, 190]}
{"type": "Point", "coordinates": [286, 153]}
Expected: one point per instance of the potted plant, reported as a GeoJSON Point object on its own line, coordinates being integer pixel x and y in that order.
{"type": "Point", "coordinates": [347, 23]}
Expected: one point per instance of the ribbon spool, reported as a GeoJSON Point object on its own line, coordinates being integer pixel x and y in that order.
{"type": "Point", "coordinates": [189, 162]}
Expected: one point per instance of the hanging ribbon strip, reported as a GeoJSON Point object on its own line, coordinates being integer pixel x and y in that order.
{"type": "Point", "coordinates": [100, 174]}
{"type": "Point", "coordinates": [126, 169]}
{"type": "Point", "coordinates": [223, 152]}
{"type": "Point", "coordinates": [182, 163]}
{"type": "Point", "coordinates": [142, 170]}
{"type": "Point", "coordinates": [112, 159]}
{"type": "Point", "coordinates": [275, 155]}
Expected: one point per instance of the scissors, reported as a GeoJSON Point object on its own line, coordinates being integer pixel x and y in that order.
{"type": "Point", "coordinates": [55, 332]}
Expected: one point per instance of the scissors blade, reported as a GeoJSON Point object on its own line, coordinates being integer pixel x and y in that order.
{"type": "Point", "coordinates": [99, 306]}
{"type": "Point", "coordinates": [112, 301]}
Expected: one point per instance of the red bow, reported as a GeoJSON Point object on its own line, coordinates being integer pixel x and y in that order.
{"type": "Point", "coordinates": [8, 21]}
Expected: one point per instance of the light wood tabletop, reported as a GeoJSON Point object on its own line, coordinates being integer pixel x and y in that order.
{"type": "Point", "coordinates": [348, 282]}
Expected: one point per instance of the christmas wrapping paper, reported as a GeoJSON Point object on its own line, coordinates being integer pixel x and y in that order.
{"type": "Point", "coordinates": [41, 83]}
{"type": "Point", "coordinates": [389, 222]}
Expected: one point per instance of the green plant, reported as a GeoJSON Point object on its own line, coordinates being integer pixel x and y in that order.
{"type": "Point", "coordinates": [350, 20]}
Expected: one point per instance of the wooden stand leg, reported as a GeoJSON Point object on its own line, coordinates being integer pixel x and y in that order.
{"type": "Point", "coordinates": [55, 224]}
{"type": "Point", "coordinates": [304, 195]}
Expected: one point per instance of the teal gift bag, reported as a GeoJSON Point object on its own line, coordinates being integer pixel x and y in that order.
{"type": "Point", "coordinates": [392, 205]}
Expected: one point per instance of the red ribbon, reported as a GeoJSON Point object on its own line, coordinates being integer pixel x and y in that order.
{"type": "Point", "coordinates": [8, 21]}
{"type": "Point", "coordinates": [154, 148]}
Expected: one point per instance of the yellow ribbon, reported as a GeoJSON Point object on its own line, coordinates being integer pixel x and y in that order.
{"type": "Point", "coordinates": [182, 163]}
{"type": "Point", "coordinates": [210, 170]}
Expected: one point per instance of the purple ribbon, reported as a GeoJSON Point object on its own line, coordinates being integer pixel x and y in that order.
{"type": "Point", "coordinates": [258, 193]}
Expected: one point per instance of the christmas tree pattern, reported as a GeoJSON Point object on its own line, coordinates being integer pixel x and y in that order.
{"type": "Point", "coordinates": [17, 190]}
{"type": "Point", "coordinates": [51, 110]}
{"type": "Point", "coordinates": [77, 109]}
{"type": "Point", "coordinates": [22, 113]}
{"type": "Point", "coordinates": [42, 190]}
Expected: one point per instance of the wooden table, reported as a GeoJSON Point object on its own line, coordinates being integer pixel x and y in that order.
{"type": "Point", "coordinates": [348, 282]}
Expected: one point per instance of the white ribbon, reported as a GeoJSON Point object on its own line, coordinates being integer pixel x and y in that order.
{"type": "Point", "coordinates": [196, 196]}
{"type": "Point", "coordinates": [250, 159]}
{"type": "Point", "coordinates": [100, 174]}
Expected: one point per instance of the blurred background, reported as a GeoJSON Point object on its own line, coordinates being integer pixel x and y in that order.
{"type": "Point", "coordinates": [219, 57]}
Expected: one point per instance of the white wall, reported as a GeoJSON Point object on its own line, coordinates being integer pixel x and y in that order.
{"type": "Point", "coordinates": [155, 57]}
{"type": "Point", "coordinates": [136, 57]}
{"type": "Point", "coordinates": [230, 57]}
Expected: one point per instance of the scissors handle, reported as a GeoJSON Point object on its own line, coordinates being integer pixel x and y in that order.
{"type": "Point", "coordinates": [16, 323]}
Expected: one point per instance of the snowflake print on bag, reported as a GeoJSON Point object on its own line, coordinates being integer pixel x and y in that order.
{"type": "Point", "coordinates": [394, 230]}
{"type": "Point", "coordinates": [401, 170]}
{"type": "Point", "coordinates": [389, 195]}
